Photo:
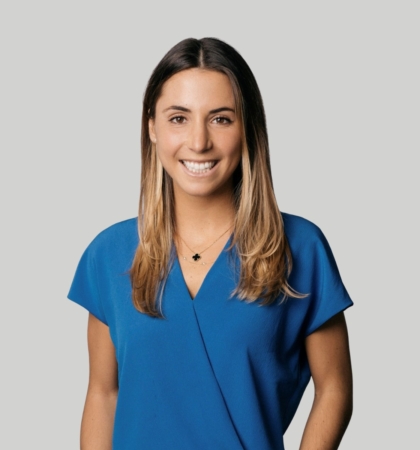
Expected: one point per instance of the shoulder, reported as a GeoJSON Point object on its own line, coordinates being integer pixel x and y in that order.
{"type": "Point", "coordinates": [307, 242]}
{"type": "Point", "coordinates": [310, 249]}
{"type": "Point", "coordinates": [315, 272]}
{"type": "Point", "coordinates": [116, 237]}
{"type": "Point", "coordinates": [120, 229]}
{"type": "Point", "coordinates": [99, 271]}
{"type": "Point", "coordinates": [300, 231]}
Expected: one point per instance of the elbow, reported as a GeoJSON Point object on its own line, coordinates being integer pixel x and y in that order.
{"type": "Point", "coordinates": [348, 409]}
{"type": "Point", "coordinates": [338, 400]}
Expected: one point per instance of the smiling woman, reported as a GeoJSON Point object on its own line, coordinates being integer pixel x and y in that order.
{"type": "Point", "coordinates": [201, 336]}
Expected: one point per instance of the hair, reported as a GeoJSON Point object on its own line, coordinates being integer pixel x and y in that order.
{"type": "Point", "coordinates": [263, 251]}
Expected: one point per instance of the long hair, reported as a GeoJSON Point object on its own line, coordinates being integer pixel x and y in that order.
{"type": "Point", "coordinates": [263, 251]}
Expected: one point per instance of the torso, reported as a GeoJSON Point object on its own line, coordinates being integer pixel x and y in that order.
{"type": "Point", "coordinates": [216, 372]}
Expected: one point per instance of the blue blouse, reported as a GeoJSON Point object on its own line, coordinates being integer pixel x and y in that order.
{"type": "Point", "coordinates": [215, 373]}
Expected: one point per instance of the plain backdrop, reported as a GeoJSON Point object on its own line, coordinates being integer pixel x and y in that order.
{"type": "Point", "coordinates": [340, 82]}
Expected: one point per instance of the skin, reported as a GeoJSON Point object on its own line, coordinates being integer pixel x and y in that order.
{"type": "Point", "coordinates": [101, 398]}
{"type": "Point", "coordinates": [329, 360]}
{"type": "Point", "coordinates": [203, 212]}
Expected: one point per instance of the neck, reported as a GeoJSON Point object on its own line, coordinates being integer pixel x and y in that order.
{"type": "Point", "coordinates": [199, 219]}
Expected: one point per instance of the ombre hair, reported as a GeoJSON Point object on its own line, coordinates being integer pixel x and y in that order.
{"type": "Point", "coordinates": [262, 247]}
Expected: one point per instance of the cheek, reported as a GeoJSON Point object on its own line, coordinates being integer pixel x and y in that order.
{"type": "Point", "coordinates": [232, 144]}
{"type": "Point", "coordinates": [166, 156]}
{"type": "Point", "coordinates": [165, 149]}
{"type": "Point", "coordinates": [168, 142]}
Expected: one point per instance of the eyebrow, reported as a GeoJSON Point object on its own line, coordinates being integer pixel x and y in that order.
{"type": "Point", "coordinates": [213, 111]}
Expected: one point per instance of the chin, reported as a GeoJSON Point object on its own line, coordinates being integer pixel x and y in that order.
{"type": "Point", "coordinates": [198, 191]}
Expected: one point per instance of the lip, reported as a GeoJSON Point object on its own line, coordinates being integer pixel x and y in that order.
{"type": "Point", "coordinates": [199, 162]}
{"type": "Point", "coordinates": [199, 175]}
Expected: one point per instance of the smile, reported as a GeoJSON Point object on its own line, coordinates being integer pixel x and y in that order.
{"type": "Point", "coordinates": [196, 167]}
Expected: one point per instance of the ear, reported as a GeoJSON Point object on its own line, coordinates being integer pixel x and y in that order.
{"type": "Point", "coordinates": [152, 132]}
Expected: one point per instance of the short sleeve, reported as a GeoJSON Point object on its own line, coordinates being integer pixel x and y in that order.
{"type": "Point", "coordinates": [328, 294]}
{"type": "Point", "coordinates": [84, 289]}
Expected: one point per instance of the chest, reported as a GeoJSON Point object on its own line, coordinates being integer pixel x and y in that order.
{"type": "Point", "coordinates": [197, 304]}
{"type": "Point", "coordinates": [194, 275]}
{"type": "Point", "coordinates": [195, 267]}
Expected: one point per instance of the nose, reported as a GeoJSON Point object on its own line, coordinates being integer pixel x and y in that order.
{"type": "Point", "coordinates": [199, 138]}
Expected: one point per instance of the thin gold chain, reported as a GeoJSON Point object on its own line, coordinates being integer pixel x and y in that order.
{"type": "Point", "coordinates": [202, 251]}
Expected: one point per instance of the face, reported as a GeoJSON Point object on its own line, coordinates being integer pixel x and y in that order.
{"type": "Point", "coordinates": [197, 132]}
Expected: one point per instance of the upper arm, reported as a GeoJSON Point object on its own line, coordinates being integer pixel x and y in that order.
{"type": "Point", "coordinates": [329, 356]}
{"type": "Point", "coordinates": [103, 369]}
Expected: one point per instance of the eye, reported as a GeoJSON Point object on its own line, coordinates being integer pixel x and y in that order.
{"type": "Point", "coordinates": [177, 119]}
{"type": "Point", "coordinates": [222, 120]}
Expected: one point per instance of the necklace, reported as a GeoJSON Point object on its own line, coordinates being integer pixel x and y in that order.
{"type": "Point", "coordinates": [197, 255]}
{"type": "Point", "coordinates": [203, 263]}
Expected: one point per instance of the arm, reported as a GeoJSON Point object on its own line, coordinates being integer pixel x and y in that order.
{"type": "Point", "coordinates": [98, 414]}
{"type": "Point", "coordinates": [329, 360]}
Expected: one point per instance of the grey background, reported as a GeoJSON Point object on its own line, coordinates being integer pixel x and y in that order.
{"type": "Point", "coordinates": [341, 90]}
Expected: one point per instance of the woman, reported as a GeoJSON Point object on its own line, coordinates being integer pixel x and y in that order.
{"type": "Point", "coordinates": [200, 333]}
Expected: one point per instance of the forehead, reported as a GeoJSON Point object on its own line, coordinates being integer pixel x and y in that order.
{"type": "Point", "coordinates": [197, 88]}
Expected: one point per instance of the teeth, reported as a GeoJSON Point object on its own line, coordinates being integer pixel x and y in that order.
{"type": "Point", "coordinates": [199, 167]}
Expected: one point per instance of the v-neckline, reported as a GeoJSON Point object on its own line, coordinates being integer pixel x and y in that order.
{"type": "Point", "coordinates": [217, 261]}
